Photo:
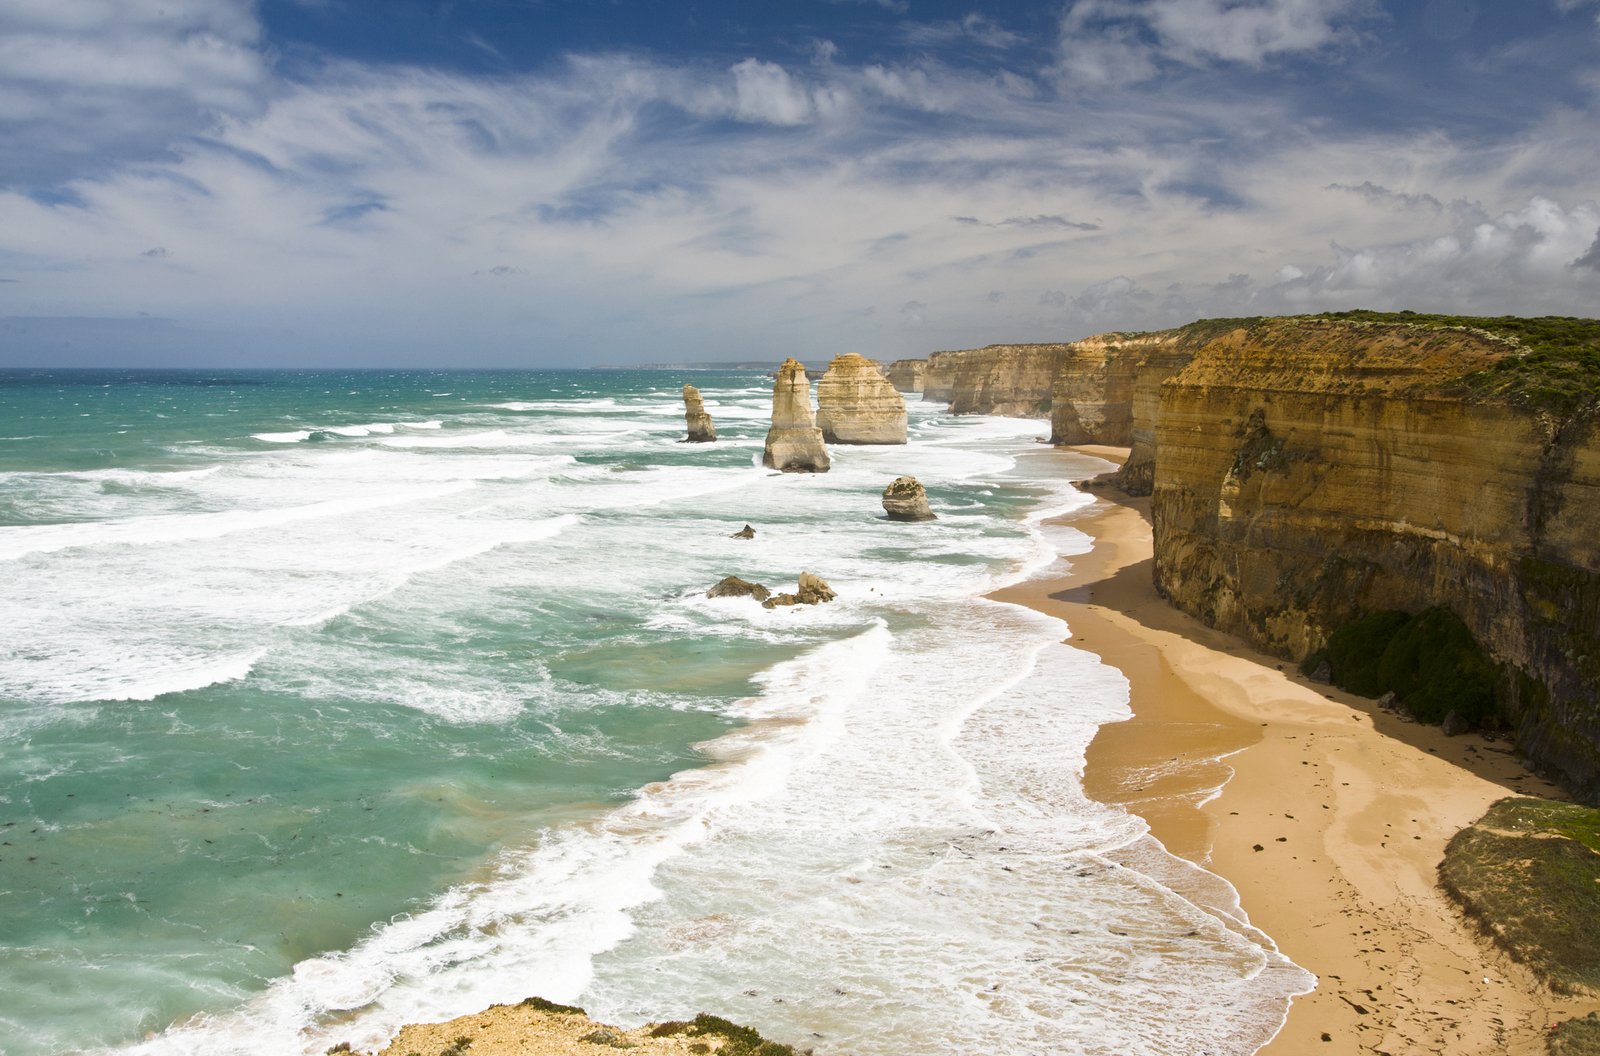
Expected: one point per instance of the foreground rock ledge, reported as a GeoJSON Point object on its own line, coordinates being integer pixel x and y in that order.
{"type": "Point", "coordinates": [542, 1028]}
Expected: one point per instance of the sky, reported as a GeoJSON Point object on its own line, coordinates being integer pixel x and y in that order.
{"type": "Point", "coordinates": [607, 182]}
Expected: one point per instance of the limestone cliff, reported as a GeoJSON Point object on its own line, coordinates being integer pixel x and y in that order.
{"type": "Point", "coordinates": [906, 375]}
{"type": "Point", "coordinates": [794, 443]}
{"type": "Point", "coordinates": [701, 428]}
{"type": "Point", "coordinates": [857, 405]}
{"type": "Point", "coordinates": [1308, 471]}
{"type": "Point", "coordinates": [1012, 380]}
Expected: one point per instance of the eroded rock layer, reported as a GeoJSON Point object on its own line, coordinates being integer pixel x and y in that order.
{"type": "Point", "coordinates": [794, 443]}
{"type": "Point", "coordinates": [857, 405]}
{"type": "Point", "coordinates": [1309, 471]}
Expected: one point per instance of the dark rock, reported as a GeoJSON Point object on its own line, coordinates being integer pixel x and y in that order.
{"type": "Point", "coordinates": [1321, 672]}
{"type": "Point", "coordinates": [746, 532]}
{"type": "Point", "coordinates": [734, 587]}
{"type": "Point", "coordinates": [1455, 724]}
{"type": "Point", "coordinates": [1389, 701]}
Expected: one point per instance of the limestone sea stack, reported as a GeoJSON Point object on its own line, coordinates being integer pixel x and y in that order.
{"type": "Point", "coordinates": [794, 443]}
{"type": "Point", "coordinates": [906, 500]}
{"type": "Point", "coordinates": [701, 428]}
{"type": "Point", "coordinates": [856, 404]}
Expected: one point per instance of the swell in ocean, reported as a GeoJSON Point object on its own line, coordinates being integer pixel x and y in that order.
{"type": "Point", "coordinates": [884, 847]}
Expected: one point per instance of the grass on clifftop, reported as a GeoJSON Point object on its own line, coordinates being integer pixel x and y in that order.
{"type": "Point", "coordinates": [1529, 871]}
{"type": "Point", "coordinates": [1559, 370]}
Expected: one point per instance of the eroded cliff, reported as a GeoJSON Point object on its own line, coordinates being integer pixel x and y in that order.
{"type": "Point", "coordinates": [1310, 471]}
{"type": "Point", "coordinates": [1011, 380]}
{"type": "Point", "coordinates": [907, 375]}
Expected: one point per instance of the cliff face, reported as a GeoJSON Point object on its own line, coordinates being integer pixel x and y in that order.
{"type": "Point", "coordinates": [794, 443]}
{"type": "Point", "coordinates": [1309, 471]}
{"type": "Point", "coordinates": [907, 375]}
{"type": "Point", "coordinates": [857, 405]}
{"type": "Point", "coordinates": [1011, 380]}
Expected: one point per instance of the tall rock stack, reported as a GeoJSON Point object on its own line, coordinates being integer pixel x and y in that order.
{"type": "Point", "coordinates": [794, 443]}
{"type": "Point", "coordinates": [856, 404]}
{"type": "Point", "coordinates": [701, 429]}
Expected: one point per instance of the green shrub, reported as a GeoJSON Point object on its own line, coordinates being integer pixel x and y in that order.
{"type": "Point", "coordinates": [1355, 649]}
{"type": "Point", "coordinates": [1430, 661]}
{"type": "Point", "coordinates": [1528, 870]}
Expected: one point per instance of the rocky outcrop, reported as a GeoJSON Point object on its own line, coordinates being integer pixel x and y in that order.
{"type": "Point", "coordinates": [701, 428]}
{"type": "Point", "coordinates": [794, 443]}
{"type": "Point", "coordinates": [906, 375]}
{"type": "Point", "coordinates": [810, 590]}
{"type": "Point", "coordinates": [857, 405]}
{"type": "Point", "coordinates": [746, 532]}
{"type": "Point", "coordinates": [734, 587]}
{"type": "Point", "coordinates": [1011, 380]}
{"type": "Point", "coordinates": [1307, 472]}
{"type": "Point", "coordinates": [906, 500]}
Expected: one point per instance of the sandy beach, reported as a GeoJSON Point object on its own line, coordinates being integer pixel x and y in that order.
{"type": "Point", "coordinates": [1331, 820]}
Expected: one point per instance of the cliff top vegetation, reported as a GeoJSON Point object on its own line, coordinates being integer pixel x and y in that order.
{"type": "Point", "coordinates": [1557, 367]}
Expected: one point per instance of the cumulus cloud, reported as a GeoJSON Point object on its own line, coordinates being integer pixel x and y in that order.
{"type": "Point", "coordinates": [86, 81]}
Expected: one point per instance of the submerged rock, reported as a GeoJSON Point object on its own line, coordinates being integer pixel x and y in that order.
{"type": "Point", "coordinates": [701, 429]}
{"type": "Point", "coordinates": [734, 587]}
{"type": "Point", "coordinates": [810, 591]}
{"type": "Point", "coordinates": [906, 500]}
{"type": "Point", "coordinates": [746, 532]}
{"type": "Point", "coordinates": [794, 443]}
{"type": "Point", "coordinates": [856, 404]}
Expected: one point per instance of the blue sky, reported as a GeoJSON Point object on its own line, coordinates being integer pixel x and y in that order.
{"type": "Point", "coordinates": [572, 182]}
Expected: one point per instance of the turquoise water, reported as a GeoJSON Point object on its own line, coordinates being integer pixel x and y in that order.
{"type": "Point", "coordinates": [331, 700]}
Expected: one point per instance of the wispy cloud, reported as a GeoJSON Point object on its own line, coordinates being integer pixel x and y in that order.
{"type": "Point", "coordinates": [1125, 41]}
{"type": "Point", "coordinates": [623, 200]}
{"type": "Point", "coordinates": [91, 82]}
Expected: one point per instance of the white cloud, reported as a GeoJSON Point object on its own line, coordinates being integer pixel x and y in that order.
{"type": "Point", "coordinates": [617, 206]}
{"type": "Point", "coordinates": [764, 92]}
{"type": "Point", "coordinates": [99, 80]}
{"type": "Point", "coordinates": [1123, 41]}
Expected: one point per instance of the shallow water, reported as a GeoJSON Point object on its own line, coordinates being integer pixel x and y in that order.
{"type": "Point", "coordinates": [332, 700]}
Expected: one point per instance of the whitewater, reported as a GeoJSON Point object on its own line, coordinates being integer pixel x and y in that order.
{"type": "Point", "coordinates": [331, 701]}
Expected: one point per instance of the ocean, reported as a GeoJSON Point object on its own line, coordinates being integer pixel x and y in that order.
{"type": "Point", "coordinates": [335, 700]}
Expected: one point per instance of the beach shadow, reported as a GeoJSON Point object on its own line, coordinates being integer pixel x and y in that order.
{"type": "Point", "coordinates": [1130, 591]}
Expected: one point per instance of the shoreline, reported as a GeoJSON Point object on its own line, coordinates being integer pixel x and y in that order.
{"type": "Point", "coordinates": [1328, 815]}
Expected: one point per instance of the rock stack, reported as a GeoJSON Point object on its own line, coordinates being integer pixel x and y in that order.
{"type": "Point", "coordinates": [906, 500]}
{"type": "Point", "coordinates": [857, 405]}
{"type": "Point", "coordinates": [701, 429]}
{"type": "Point", "coordinates": [794, 443]}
